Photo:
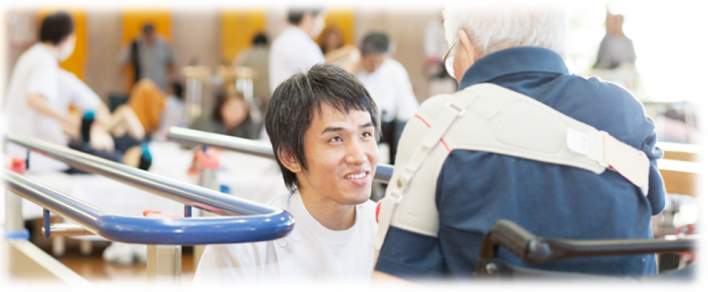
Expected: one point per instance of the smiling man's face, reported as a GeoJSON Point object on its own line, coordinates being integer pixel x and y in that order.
{"type": "Point", "coordinates": [341, 155]}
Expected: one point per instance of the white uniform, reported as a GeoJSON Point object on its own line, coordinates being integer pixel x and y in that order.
{"type": "Point", "coordinates": [391, 89]}
{"type": "Point", "coordinates": [292, 52]}
{"type": "Point", "coordinates": [310, 252]}
{"type": "Point", "coordinates": [38, 72]}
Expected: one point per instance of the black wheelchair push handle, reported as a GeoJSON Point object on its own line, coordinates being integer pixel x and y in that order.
{"type": "Point", "coordinates": [537, 250]}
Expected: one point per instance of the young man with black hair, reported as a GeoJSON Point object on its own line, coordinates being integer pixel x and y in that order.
{"type": "Point", "coordinates": [294, 50]}
{"type": "Point", "coordinates": [323, 126]}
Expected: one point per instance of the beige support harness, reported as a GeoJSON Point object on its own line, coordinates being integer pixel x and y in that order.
{"type": "Point", "coordinates": [490, 118]}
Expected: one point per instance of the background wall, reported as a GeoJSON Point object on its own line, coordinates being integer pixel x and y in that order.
{"type": "Point", "coordinates": [213, 37]}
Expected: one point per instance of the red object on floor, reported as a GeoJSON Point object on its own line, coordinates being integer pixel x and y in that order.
{"type": "Point", "coordinates": [18, 165]}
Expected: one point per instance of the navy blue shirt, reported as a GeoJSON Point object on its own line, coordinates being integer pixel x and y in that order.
{"type": "Point", "coordinates": [476, 189]}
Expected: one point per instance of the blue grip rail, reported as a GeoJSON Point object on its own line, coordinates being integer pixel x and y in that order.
{"type": "Point", "coordinates": [258, 222]}
{"type": "Point", "coordinates": [383, 171]}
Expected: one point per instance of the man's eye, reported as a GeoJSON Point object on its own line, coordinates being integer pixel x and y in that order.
{"type": "Point", "coordinates": [366, 134]}
{"type": "Point", "coordinates": [336, 139]}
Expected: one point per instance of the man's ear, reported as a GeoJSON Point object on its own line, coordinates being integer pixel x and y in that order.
{"type": "Point", "coordinates": [467, 46]}
{"type": "Point", "coordinates": [289, 161]}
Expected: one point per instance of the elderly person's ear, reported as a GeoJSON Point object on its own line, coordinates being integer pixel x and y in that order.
{"type": "Point", "coordinates": [468, 49]}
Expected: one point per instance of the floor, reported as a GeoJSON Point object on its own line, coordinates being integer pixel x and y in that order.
{"type": "Point", "coordinates": [94, 269]}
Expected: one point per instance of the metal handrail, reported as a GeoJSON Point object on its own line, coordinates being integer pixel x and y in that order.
{"type": "Point", "coordinates": [383, 171]}
{"type": "Point", "coordinates": [261, 222]}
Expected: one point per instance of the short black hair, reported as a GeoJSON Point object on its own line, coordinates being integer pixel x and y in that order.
{"type": "Point", "coordinates": [295, 101]}
{"type": "Point", "coordinates": [178, 90]}
{"type": "Point", "coordinates": [260, 39]}
{"type": "Point", "coordinates": [148, 28]}
{"type": "Point", "coordinates": [295, 14]}
{"type": "Point", "coordinates": [56, 27]}
{"type": "Point", "coordinates": [375, 42]}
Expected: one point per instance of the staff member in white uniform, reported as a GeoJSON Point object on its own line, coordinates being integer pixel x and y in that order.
{"type": "Point", "coordinates": [39, 93]}
{"type": "Point", "coordinates": [294, 50]}
{"type": "Point", "coordinates": [328, 155]}
{"type": "Point", "coordinates": [387, 81]}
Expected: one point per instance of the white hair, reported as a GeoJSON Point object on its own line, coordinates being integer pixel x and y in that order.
{"type": "Point", "coordinates": [494, 27]}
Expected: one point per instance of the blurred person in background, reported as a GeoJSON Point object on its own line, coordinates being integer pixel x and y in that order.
{"type": "Point", "coordinates": [230, 116]}
{"type": "Point", "coordinates": [388, 83]}
{"type": "Point", "coordinates": [616, 56]}
{"type": "Point", "coordinates": [294, 50]}
{"type": "Point", "coordinates": [151, 57]}
{"type": "Point", "coordinates": [256, 58]}
{"type": "Point", "coordinates": [331, 40]}
{"type": "Point", "coordinates": [174, 114]}
{"type": "Point", "coordinates": [40, 95]}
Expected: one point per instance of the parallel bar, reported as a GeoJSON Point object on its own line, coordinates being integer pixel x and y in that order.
{"type": "Point", "coordinates": [383, 171]}
{"type": "Point", "coordinates": [172, 189]}
{"type": "Point", "coordinates": [213, 230]}
{"type": "Point", "coordinates": [65, 229]}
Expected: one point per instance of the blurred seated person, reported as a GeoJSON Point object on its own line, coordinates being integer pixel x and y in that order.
{"type": "Point", "coordinates": [331, 40]}
{"type": "Point", "coordinates": [256, 58]}
{"type": "Point", "coordinates": [230, 116]}
{"type": "Point", "coordinates": [174, 114]}
{"type": "Point", "coordinates": [388, 83]}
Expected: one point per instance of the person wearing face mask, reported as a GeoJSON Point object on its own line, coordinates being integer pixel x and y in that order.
{"type": "Point", "coordinates": [387, 81]}
{"type": "Point", "coordinates": [323, 127]}
{"type": "Point", "coordinates": [37, 104]}
{"type": "Point", "coordinates": [294, 50]}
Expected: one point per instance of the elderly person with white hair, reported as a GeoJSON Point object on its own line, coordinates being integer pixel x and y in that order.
{"type": "Point", "coordinates": [518, 141]}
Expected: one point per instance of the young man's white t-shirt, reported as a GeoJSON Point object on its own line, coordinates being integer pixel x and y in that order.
{"type": "Point", "coordinates": [37, 72]}
{"type": "Point", "coordinates": [292, 52]}
{"type": "Point", "coordinates": [391, 89]}
{"type": "Point", "coordinates": [311, 252]}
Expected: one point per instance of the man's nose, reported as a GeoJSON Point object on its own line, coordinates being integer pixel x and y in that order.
{"type": "Point", "coordinates": [355, 153]}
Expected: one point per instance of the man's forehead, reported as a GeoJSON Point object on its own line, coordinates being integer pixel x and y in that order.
{"type": "Point", "coordinates": [328, 114]}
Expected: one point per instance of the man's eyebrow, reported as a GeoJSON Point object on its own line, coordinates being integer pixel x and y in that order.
{"type": "Point", "coordinates": [337, 129]}
{"type": "Point", "coordinates": [332, 129]}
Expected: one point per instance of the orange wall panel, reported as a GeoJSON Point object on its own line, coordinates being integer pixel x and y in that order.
{"type": "Point", "coordinates": [238, 27]}
{"type": "Point", "coordinates": [343, 20]}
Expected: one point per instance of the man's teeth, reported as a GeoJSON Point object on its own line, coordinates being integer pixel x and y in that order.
{"type": "Point", "coordinates": [356, 176]}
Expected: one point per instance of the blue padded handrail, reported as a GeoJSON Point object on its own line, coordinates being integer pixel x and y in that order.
{"type": "Point", "coordinates": [264, 222]}
{"type": "Point", "coordinates": [212, 230]}
{"type": "Point", "coordinates": [383, 171]}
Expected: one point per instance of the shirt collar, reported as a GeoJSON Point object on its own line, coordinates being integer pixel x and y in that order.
{"type": "Point", "coordinates": [307, 224]}
{"type": "Point", "coordinates": [510, 61]}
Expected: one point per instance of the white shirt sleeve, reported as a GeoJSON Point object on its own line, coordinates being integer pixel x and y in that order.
{"type": "Point", "coordinates": [43, 80]}
{"type": "Point", "coordinates": [291, 53]}
{"type": "Point", "coordinates": [235, 263]}
{"type": "Point", "coordinates": [76, 92]}
{"type": "Point", "coordinates": [406, 102]}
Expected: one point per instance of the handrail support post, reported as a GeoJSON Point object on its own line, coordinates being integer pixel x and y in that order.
{"type": "Point", "coordinates": [164, 264]}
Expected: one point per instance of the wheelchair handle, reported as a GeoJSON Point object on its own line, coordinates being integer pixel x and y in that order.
{"type": "Point", "coordinates": [537, 250]}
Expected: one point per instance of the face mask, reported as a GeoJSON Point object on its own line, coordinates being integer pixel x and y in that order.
{"type": "Point", "coordinates": [67, 49]}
